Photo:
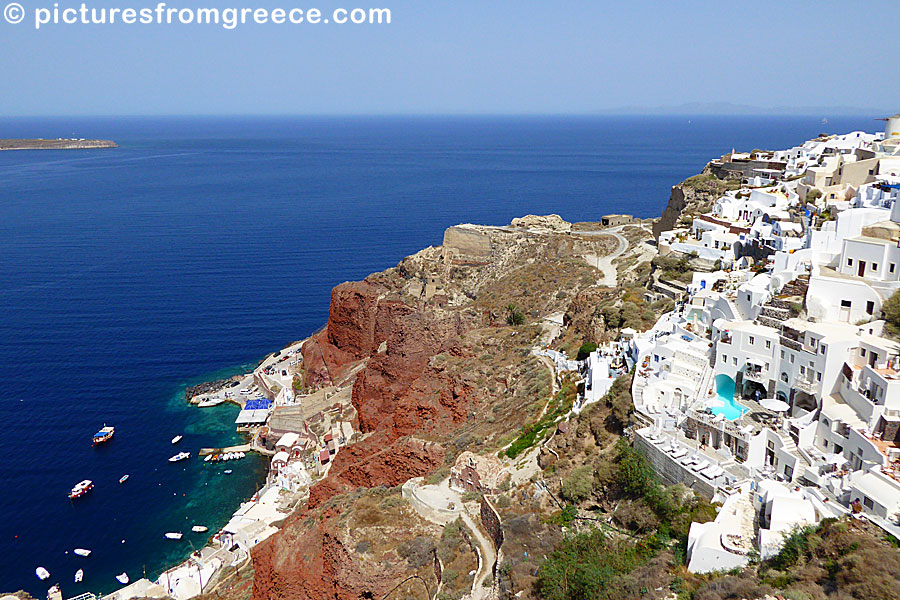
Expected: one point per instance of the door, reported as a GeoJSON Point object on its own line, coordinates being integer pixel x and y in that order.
{"type": "Point", "coordinates": [862, 268]}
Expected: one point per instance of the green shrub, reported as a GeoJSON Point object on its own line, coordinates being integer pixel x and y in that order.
{"type": "Point", "coordinates": [585, 350]}
{"type": "Point", "coordinates": [578, 486]}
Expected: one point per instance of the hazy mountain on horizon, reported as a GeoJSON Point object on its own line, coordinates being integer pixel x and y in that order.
{"type": "Point", "coordinates": [728, 108]}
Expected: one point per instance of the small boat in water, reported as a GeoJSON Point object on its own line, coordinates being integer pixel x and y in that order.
{"type": "Point", "coordinates": [180, 456]}
{"type": "Point", "coordinates": [176, 439]}
{"type": "Point", "coordinates": [81, 488]}
{"type": "Point", "coordinates": [104, 435]}
{"type": "Point", "coordinates": [210, 402]}
{"type": "Point", "coordinates": [124, 478]}
{"type": "Point", "coordinates": [199, 529]}
{"type": "Point", "coordinates": [79, 575]}
{"type": "Point", "coordinates": [227, 471]}
{"type": "Point", "coordinates": [174, 535]}
{"type": "Point", "coordinates": [42, 573]}
{"type": "Point", "coordinates": [208, 458]}
{"type": "Point", "coordinates": [122, 578]}
{"type": "Point", "coordinates": [82, 552]}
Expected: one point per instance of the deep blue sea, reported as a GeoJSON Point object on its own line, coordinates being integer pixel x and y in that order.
{"type": "Point", "coordinates": [201, 244]}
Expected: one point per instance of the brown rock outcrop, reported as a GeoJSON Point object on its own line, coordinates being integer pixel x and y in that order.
{"type": "Point", "coordinates": [342, 553]}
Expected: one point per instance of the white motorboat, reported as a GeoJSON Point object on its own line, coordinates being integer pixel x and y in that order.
{"type": "Point", "coordinates": [210, 402]}
{"type": "Point", "coordinates": [208, 458]}
{"type": "Point", "coordinates": [176, 439]}
{"type": "Point", "coordinates": [79, 575]}
{"type": "Point", "coordinates": [180, 456]}
{"type": "Point", "coordinates": [174, 535]}
{"type": "Point", "coordinates": [42, 573]}
{"type": "Point", "coordinates": [227, 471]}
{"type": "Point", "coordinates": [199, 529]}
{"type": "Point", "coordinates": [122, 578]}
{"type": "Point", "coordinates": [124, 478]}
{"type": "Point", "coordinates": [81, 488]}
{"type": "Point", "coordinates": [82, 552]}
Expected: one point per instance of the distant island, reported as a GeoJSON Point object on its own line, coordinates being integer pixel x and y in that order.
{"type": "Point", "coordinates": [57, 144]}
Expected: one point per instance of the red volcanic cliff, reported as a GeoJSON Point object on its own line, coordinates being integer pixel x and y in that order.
{"type": "Point", "coordinates": [359, 320]}
{"type": "Point", "coordinates": [397, 395]}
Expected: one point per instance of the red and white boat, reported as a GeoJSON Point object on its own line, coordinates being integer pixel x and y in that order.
{"type": "Point", "coordinates": [104, 435]}
{"type": "Point", "coordinates": [81, 488]}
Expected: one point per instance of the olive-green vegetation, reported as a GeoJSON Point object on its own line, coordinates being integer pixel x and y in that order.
{"type": "Point", "coordinates": [585, 350]}
{"type": "Point", "coordinates": [891, 312]}
{"type": "Point", "coordinates": [559, 406]}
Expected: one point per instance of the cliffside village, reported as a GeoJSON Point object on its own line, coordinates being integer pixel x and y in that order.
{"type": "Point", "coordinates": [774, 386]}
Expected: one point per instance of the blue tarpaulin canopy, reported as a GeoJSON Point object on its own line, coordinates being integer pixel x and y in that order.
{"type": "Point", "coordinates": [257, 404]}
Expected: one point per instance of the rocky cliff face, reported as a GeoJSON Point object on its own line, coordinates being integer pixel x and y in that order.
{"type": "Point", "coordinates": [692, 196]}
{"type": "Point", "coordinates": [346, 551]}
{"type": "Point", "coordinates": [431, 379]}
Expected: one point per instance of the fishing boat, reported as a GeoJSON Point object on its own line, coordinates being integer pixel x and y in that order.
{"type": "Point", "coordinates": [122, 578]}
{"type": "Point", "coordinates": [81, 488]}
{"type": "Point", "coordinates": [79, 575]}
{"type": "Point", "coordinates": [199, 529]}
{"type": "Point", "coordinates": [174, 535]}
{"type": "Point", "coordinates": [124, 478]}
{"type": "Point", "coordinates": [180, 456]}
{"type": "Point", "coordinates": [42, 573]}
{"type": "Point", "coordinates": [104, 435]}
{"type": "Point", "coordinates": [176, 439]}
{"type": "Point", "coordinates": [82, 552]}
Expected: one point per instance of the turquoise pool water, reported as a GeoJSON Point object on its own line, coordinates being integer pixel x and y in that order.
{"type": "Point", "coordinates": [725, 390]}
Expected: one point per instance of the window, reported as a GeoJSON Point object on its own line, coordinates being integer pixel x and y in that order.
{"type": "Point", "coordinates": [822, 349]}
{"type": "Point", "coordinates": [867, 502]}
{"type": "Point", "coordinates": [845, 304]}
{"type": "Point", "coordinates": [892, 267]}
{"type": "Point", "coordinates": [874, 266]}
{"type": "Point", "coordinates": [792, 359]}
{"type": "Point", "coordinates": [768, 344]}
{"type": "Point", "coordinates": [751, 340]}
{"type": "Point", "coordinates": [849, 262]}
{"type": "Point", "coordinates": [862, 352]}
{"type": "Point", "coordinates": [870, 307]}
{"type": "Point", "coordinates": [767, 366]}
{"type": "Point", "coordinates": [734, 361]}
{"type": "Point", "coordinates": [818, 376]}
{"type": "Point", "coordinates": [784, 377]}
{"type": "Point", "coordinates": [725, 358]}
{"type": "Point", "coordinates": [826, 422]}
{"type": "Point", "coordinates": [802, 370]}
{"type": "Point", "coordinates": [782, 355]}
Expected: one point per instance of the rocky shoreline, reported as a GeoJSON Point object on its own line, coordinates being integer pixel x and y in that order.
{"type": "Point", "coordinates": [208, 387]}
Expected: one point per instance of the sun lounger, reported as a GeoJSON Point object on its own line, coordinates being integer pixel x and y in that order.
{"type": "Point", "coordinates": [700, 466]}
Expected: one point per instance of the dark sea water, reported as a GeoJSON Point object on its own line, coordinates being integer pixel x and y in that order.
{"type": "Point", "coordinates": [201, 244]}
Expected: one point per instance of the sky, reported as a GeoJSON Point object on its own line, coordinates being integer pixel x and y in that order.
{"type": "Point", "coordinates": [460, 57]}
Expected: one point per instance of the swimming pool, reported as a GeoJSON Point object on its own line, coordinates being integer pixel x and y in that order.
{"type": "Point", "coordinates": [725, 390]}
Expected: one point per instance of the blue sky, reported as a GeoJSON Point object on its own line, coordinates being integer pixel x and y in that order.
{"type": "Point", "coordinates": [461, 56]}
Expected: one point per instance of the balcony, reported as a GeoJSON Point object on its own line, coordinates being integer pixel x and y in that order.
{"type": "Point", "coordinates": [756, 374]}
{"type": "Point", "coordinates": [806, 385]}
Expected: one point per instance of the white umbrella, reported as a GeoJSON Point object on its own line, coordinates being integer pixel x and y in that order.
{"type": "Point", "coordinates": [775, 405]}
